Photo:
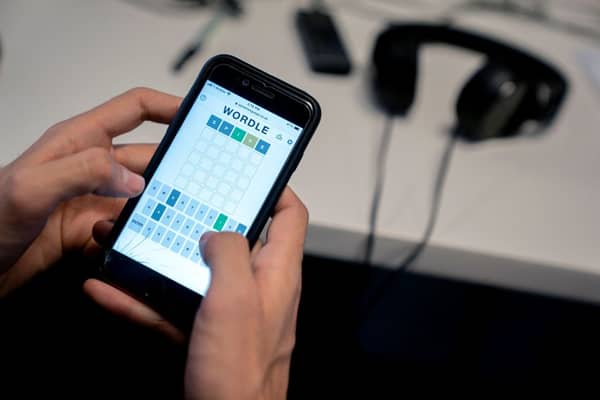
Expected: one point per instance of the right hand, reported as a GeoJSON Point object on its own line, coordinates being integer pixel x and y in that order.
{"type": "Point", "coordinates": [244, 332]}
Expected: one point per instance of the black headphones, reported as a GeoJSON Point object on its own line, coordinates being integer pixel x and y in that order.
{"type": "Point", "coordinates": [511, 88]}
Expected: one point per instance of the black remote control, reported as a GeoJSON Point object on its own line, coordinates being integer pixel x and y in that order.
{"type": "Point", "coordinates": [322, 43]}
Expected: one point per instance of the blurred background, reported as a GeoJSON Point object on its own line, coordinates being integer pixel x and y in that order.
{"type": "Point", "coordinates": [434, 260]}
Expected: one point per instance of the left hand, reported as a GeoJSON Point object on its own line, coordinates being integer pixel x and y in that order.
{"type": "Point", "coordinates": [72, 177]}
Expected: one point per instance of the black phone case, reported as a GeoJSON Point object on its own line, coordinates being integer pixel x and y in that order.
{"type": "Point", "coordinates": [174, 301]}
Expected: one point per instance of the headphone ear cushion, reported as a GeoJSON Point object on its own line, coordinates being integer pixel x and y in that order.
{"type": "Point", "coordinates": [395, 70]}
{"type": "Point", "coordinates": [489, 104]}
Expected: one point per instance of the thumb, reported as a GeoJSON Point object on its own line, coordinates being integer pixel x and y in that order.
{"type": "Point", "coordinates": [228, 256]}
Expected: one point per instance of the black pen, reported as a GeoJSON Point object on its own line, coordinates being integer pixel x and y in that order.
{"type": "Point", "coordinates": [224, 9]}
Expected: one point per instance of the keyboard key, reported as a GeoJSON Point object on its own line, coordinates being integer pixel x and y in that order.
{"type": "Point", "coordinates": [214, 122]}
{"type": "Point", "coordinates": [187, 226]}
{"type": "Point", "coordinates": [220, 222]}
{"type": "Point", "coordinates": [148, 229]}
{"type": "Point", "coordinates": [188, 247]}
{"type": "Point", "coordinates": [173, 197]}
{"type": "Point", "coordinates": [202, 211]}
{"type": "Point", "coordinates": [158, 212]}
{"type": "Point", "coordinates": [168, 240]}
{"type": "Point", "coordinates": [197, 232]}
{"type": "Point", "coordinates": [241, 229]}
{"type": "Point", "coordinates": [196, 255]}
{"type": "Point", "coordinates": [159, 233]}
{"type": "Point", "coordinates": [226, 128]}
{"type": "Point", "coordinates": [149, 207]}
{"type": "Point", "coordinates": [168, 216]}
{"type": "Point", "coordinates": [230, 225]}
{"type": "Point", "coordinates": [178, 222]}
{"type": "Point", "coordinates": [178, 244]}
{"type": "Point", "coordinates": [192, 207]}
{"type": "Point", "coordinates": [211, 217]}
{"type": "Point", "coordinates": [137, 222]}
{"type": "Point", "coordinates": [163, 193]}
{"type": "Point", "coordinates": [182, 202]}
{"type": "Point", "coordinates": [262, 147]}
{"type": "Point", "coordinates": [153, 188]}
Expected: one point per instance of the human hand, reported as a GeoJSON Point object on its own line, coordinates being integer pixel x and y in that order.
{"type": "Point", "coordinates": [244, 332]}
{"type": "Point", "coordinates": [71, 178]}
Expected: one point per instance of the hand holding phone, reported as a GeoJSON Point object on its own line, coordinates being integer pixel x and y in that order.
{"type": "Point", "coordinates": [247, 321]}
{"type": "Point", "coordinates": [222, 166]}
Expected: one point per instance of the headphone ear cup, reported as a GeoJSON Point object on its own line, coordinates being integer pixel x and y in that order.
{"type": "Point", "coordinates": [489, 104]}
{"type": "Point", "coordinates": [395, 73]}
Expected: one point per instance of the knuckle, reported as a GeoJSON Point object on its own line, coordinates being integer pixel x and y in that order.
{"type": "Point", "coordinates": [98, 164]}
{"type": "Point", "coordinates": [138, 92]}
{"type": "Point", "coordinates": [17, 197]}
{"type": "Point", "coordinates": [15, 189]}
{"type": "Point", "coordinates": [56, 128]}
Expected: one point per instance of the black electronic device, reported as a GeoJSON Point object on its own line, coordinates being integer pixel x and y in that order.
{"type": "Point", "coordinates": [322, 42]}
{"type": "Point", "coordinates": [224, 161]}
{"type": "Point", "coordinates": [511, 88]}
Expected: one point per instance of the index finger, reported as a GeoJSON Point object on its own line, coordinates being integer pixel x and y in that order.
{"type": "Point", "coordinates": [100, 125]}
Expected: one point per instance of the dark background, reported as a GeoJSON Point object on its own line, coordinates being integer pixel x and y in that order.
{"type": "Point", "coordinates": [425, 334]}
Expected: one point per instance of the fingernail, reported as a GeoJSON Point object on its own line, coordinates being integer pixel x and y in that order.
{"type": "Point", "coordinates": [134, 182]}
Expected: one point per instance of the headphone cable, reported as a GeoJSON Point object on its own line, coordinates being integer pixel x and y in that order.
{"type": "Point", "coordinates": [376, 291]}
{"type": "Point", "coordinates": [382, 153]}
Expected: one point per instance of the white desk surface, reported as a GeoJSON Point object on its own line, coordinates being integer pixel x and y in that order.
{"type": "Point", "coordinates": [520, 213]}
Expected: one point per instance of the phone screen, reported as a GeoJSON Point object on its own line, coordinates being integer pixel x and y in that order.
{"type": "Point", "coordinates": [215, 176]}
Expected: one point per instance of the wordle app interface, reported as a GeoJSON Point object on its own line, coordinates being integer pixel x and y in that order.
{"type": "Point", "coordinates": [215, 176]}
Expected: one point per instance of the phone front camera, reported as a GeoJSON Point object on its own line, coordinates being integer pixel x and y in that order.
{"type": "Point", "coordinates": [245, 82]}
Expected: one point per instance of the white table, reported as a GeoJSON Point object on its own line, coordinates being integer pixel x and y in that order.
{"type": "Point", "coordinates": [521, 213]}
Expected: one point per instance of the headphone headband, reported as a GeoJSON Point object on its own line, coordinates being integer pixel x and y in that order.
{"type": "Point", "coordinates": [418, 34]}
{"type": "Point", "coordinates": [548, 80]}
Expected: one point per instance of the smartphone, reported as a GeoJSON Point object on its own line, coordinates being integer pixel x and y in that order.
{"type": "Point", "coordinates": [224, 161]}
